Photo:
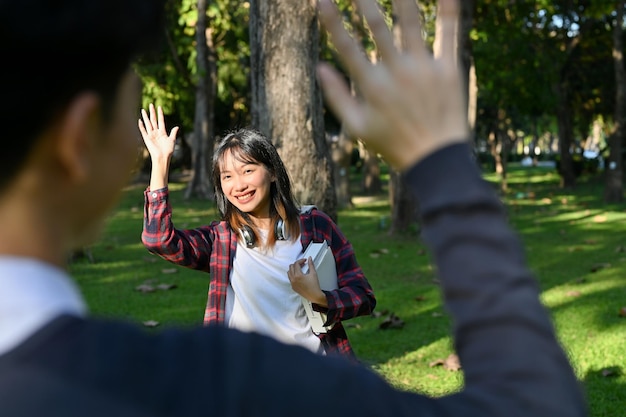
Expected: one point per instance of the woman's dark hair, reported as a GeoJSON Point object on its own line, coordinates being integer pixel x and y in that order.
{"type": "Point", "coordinates": [54, 50]}
{"type": "Point", "coordinates": [250, 146]}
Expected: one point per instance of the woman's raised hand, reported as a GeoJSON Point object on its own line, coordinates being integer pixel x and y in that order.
{"type": "Point", "coordinates": [152, 128]}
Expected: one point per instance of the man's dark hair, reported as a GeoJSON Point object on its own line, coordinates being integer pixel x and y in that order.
{"type": "Point", "coordinates": [53, 50]}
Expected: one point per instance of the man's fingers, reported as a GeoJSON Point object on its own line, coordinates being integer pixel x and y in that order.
{"type": "Point", "coordinates": [339, 97]}
{"type": "Point", "coordinates": [350, 53]}
{"type": "Point", "coordinates": [410, 27]}
{"type": "Point", "coordinates": [380, 31]}
{"type": "Point", "coordinates": [446, 31]}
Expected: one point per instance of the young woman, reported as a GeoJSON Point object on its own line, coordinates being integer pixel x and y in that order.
{"type": "Point", "coordinates": [253, 253]}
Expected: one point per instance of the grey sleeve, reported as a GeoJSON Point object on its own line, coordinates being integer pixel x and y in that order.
{"type": "Point", "coordinates": [512, 360]}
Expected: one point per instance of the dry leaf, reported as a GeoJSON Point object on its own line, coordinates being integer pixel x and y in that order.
{"type": "Point", "coordinates": [573, 293]}
{"type": "Point", "coordinates": [599, 218]}
{"type": "Point", "coordinates": [451, 363]}
{"type": "Point", "coordinates": [165, 287]}
{"type": "Point", "coordinates": [611, 371]}
{"type": "Point", "coordinates": [600, 266]}
{"type": "Point", "coordinates": [145, 288]}
{"type": "Point", "coordinates": [392, 322]}
{"type": "Point", "coordinates": [622, 312]}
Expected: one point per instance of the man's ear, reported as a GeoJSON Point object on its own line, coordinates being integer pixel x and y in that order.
{"type": "Point", "coordinates": [77, 134]}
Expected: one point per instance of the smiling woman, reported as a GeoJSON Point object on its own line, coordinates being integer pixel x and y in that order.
{"type": "Point", "coordinates": [256, 286]}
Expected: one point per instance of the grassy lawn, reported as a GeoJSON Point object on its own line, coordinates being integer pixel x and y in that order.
{"type": "Point", "coordinates": [575, 244]}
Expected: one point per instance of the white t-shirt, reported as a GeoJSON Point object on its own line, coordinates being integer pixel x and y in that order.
{"type": "Point", "coordinates": [260, 298]}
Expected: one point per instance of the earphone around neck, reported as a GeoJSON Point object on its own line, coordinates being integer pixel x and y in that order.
{"type": "Point", "coordinates": [248, 235]}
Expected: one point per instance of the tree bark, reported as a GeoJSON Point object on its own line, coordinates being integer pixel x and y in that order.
{"type": "Point", "coordinates": [286, 102]}
{"type": "Point", "coordinates": [403, 205]}
{"type": "Point", "coordinates": [200, 185]}
{"type": "Point", "coordinates": [564, 120]}
{"type": "Point", "coordinates": [614, 189]}
{"type": "Point", "coordinates": [341, 153]}
{"type": "Point", "coordinates": [466, 61]}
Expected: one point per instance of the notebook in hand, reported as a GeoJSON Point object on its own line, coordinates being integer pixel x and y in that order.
{"type": "Point", "coordinates": [324, 262]}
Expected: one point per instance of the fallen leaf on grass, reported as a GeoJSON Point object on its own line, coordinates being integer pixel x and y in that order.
{"type": "Point", "coordinates": [149, 286]}
{"type": "Point", "coordinates": [600, 266]}
{"type": "Point", "coordinates": [573, 293]}
{"type": "Point", "coordinates": [392, 322]}
{"type": "Point", "coordinates": [377, 252]}
{"type": "Point", "coordinates": [166, 287]}
{"type": "Point", "coordinates": [151, 323]}
{"type": "Point", "coordinates": [451, 363]}
{"type": "Point", "coordinates": [622, 312]}
{"type": "Point", "coordinates": [420, 298]}
{"type": "Point", "coordinates": [599, 218]}
{"type": "Point", "coordinates": [611, 371]}
{"type": "Point", "coordinates": [377, 314]}
{"type": "Point", "coordinates": [145, 288]}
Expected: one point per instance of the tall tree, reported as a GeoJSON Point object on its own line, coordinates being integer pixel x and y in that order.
{"type": "Point", "coordinates": [202, 143]}
{"type": "Point", "coordinates": [614, 189]}
{"type": "Point", "coordinates": [286, 102]}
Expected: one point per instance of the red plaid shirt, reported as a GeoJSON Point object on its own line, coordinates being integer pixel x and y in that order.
{"type": "Point", "coordinates": [212, 249]}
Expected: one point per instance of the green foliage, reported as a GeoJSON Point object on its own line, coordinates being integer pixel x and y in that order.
{"type": "Point", "coordinates": [169, 78]}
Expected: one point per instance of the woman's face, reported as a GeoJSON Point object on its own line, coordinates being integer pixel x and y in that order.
{"type": "Point", "coordinates": [247, 186]}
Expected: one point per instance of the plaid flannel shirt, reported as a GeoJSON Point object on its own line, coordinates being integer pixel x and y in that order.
{"type": "Point", "coordinates": [212, 248]}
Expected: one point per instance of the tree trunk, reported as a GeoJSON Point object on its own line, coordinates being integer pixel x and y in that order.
{"type": "Point", "coordinates": [564, 119]}
{"type": "Point", "coordinates": [202, 145]}
{"type": "Point", "coordinates": [466, 60]}
{"type": "Point", "coordinates": [614, 189]}
{"type": "Point", "coordinates": [341, 153]}
{"type": "Point", "coordinates": [403, 205]}
{"type": "Point", "coordinates": [370, 183]}
{"type": "Point", "coordinates": [286, 102]}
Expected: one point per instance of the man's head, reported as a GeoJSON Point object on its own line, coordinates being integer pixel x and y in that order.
{"type": "Point", "coordinates": [69, 102]}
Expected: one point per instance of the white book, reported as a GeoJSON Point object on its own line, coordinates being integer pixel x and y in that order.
{"type": "Point", "coordinates": [324, 262]}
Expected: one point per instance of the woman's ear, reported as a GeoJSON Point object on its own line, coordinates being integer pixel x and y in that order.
{"type": "Point", "coordinates": [77, 135]}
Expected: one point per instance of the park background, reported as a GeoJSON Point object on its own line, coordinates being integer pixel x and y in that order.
{"type": "Point", "coordinates": [546, 106]}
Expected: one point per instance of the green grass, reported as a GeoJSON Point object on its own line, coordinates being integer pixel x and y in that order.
{"type": "Point", "coordinates": [575, 244]}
